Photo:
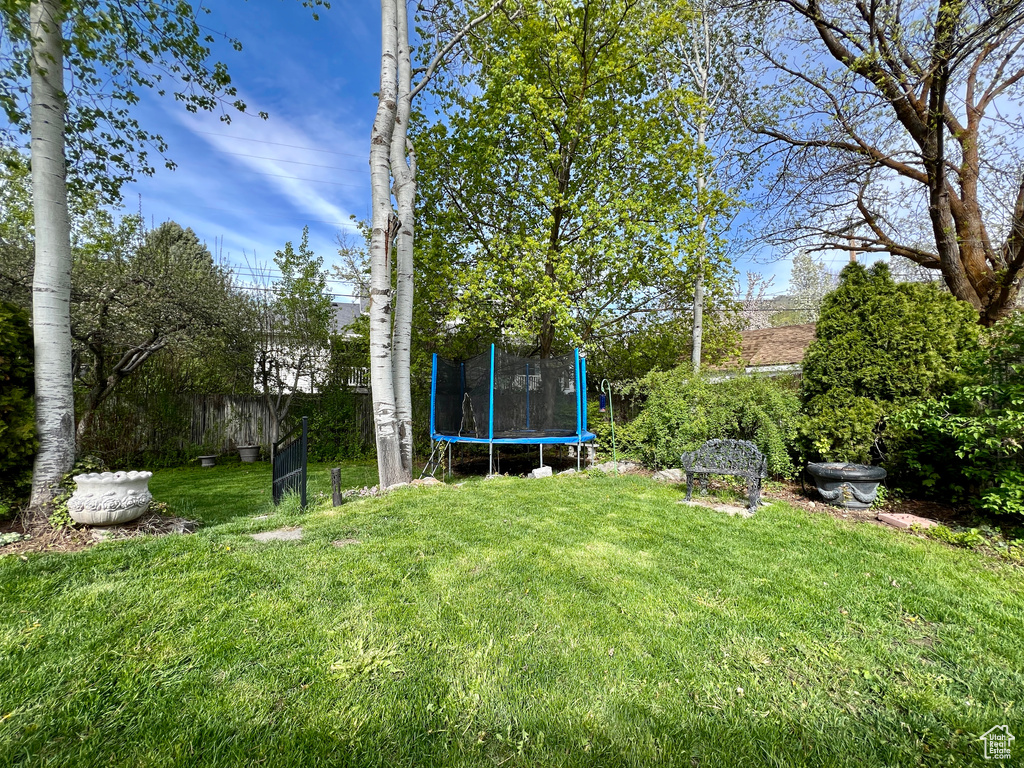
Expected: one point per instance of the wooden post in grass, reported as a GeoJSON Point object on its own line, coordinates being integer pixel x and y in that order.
{"type": "Point", "coordinates": [336, 485]}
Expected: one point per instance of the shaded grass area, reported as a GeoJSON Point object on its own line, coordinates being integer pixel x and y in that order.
{"type": "Point", "coordinates": [232, 489]}
{"type": "Point", "coordinates": [570, 621]}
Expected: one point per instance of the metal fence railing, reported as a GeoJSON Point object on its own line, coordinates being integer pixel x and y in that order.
{"type": "Point", "coordinates": [289, 463]}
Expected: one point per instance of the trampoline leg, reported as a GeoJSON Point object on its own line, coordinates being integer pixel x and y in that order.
{"type": "Point", "coordinates": [542, 455]}
{"type": "Point", "coordinates": [490, 458]}
{"type": "Point", "coordinates": [579, 447]}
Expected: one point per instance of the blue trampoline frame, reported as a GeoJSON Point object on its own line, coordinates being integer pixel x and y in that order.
{"type": "Point", "coordinates": [582, 434]}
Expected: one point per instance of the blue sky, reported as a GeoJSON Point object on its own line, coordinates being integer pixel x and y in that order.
{"type": "Point", "coordinates": [249, 186]}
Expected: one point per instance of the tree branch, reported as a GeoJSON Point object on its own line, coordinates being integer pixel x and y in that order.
{"type": "Point", "coordinates": [439, 57]}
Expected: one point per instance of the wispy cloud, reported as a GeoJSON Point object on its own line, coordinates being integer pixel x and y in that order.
{"type": "Point", "coordinates": [317, 175]}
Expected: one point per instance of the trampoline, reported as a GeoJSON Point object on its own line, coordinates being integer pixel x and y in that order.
{"type": "Point", "coordinates": [500, 399]}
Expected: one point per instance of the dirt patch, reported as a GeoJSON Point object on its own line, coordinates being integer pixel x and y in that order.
{"type": "Point", "coordinates": [807, 498]}
{"type": "Point", "coordinates": [75, 539]}
{"type": "Point", "coordinates": [345, 542]}
{"type": "Point", "coordinates": [729, 509]}
{"type": "Point", "coordinates": [149, 524]}
{"type": "Point", "coordinates": [280, 534]}
{"type": "Point", "coordinates": [45, 539]}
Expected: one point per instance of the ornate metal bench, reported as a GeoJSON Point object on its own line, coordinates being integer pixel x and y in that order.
{"type": "Point", "coordinates": [738, 458]}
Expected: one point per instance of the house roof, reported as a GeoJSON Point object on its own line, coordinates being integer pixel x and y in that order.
{"type": "Point", "coordinates": [343, 314]}
{"type": "Point", "coordinates": [785, 345]}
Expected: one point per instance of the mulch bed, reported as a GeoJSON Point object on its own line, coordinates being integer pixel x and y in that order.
{"type": "Point", "coordinates": [805, 498]}
{"type": "Point", "coordinates": [46, 539]}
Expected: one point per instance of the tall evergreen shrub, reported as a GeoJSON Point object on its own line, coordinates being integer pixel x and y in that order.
{"type": "Point", "coordinates": [878, 344]}
{"type": "Point", "coordinates": [17, 426]}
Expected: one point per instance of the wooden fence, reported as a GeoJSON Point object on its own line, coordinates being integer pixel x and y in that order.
{"type": "Point", "coordinates": [163, 424]}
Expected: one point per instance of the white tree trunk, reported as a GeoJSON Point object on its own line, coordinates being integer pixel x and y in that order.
{"type": "Point", "coordinates": [51, 286]}
{"type": "Point", "coordinates": [403, 170]}
{"type": "Point", "coordinates": [392, 156]}
{"type": "Point", "coordinates": [698, 287]}
{"type": "Point", "coordinates": [698, 316]}
{"type": "Point", "coordinates": [389, 459]}
{"type": "Point", "coordinates": [700, 69]}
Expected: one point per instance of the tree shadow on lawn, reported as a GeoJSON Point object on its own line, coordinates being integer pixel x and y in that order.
{"type": "Point", "coordinates": [234, 490]}
{"type": "Point", "coordinates": [432, 727]}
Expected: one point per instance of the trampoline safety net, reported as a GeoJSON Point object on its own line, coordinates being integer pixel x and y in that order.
{"type": "Point", "coordinates": [533, 398]}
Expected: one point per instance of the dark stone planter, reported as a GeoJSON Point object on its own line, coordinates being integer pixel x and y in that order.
{"type": "Point", "coordinates": [853, 486]}
{"type": "Point", "coordinates": [249, 454]}
{"type": "Point", "coordinates": [208, 461]}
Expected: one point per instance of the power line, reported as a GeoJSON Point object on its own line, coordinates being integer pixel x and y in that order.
{"type": "Point", "coordinates": [243, 272]}
{"type": "Point", "coordinates": [315, 181]}
{"type": "Point", "coordinates": [296, 162]}
{"type": "Point", "coordinates": [259, 289]}
{"type": "Point", "coordinates": [268, 216]}
{"type": "Point", "coordinates": [279, 144]}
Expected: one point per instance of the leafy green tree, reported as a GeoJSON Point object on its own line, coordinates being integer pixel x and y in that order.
{"type": "Point", "coordinates": [291, 330]}
{"type": "Point", "coordinates": [15, 229]}
{"type": "Point", "coordinates": [878, 344]}
{"type": "Point", "coordinates": [135, 295]}
{"type": "Point", "coordinates": [17, 427]}
{"type": "Point", "coordinates": [111, 50]}
{"type": "Point", "coordinates": [560, 195]}
{"type": "Point", "coordinates": [809, 282]}
{"type": "Point", "coordinates": [702, 71]}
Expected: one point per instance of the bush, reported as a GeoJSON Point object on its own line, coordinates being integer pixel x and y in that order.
{"type": "Point", "coordinates": [977, 432]}
{"type": "Point", "coordinates": [878, 344]}
{"type": "Point", "coordinates": [17, 420]}
{"type": "Point", "coordinates": [683, 410]}
{"type": "Point", "coordinates": [336, 430]}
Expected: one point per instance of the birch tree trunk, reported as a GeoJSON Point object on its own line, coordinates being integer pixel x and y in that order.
{"type": "Point", "coordinates": [51, 285]}
{"type": "Point", "coordinates": [700, 69]}
{"type": "Point", "coordinates": [403, 170]}
{"type": "Point", "coordinates": [702, 228]}
{"type": "Point", "coordinates": [709, 70]}
{"type": "Point", "coordinates": [392, 156]}
{"type": "Point", "coordinates": [389, 459]}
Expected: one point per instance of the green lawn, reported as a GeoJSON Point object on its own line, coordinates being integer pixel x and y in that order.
{"type": "Point", "coordinates": [570, 621]}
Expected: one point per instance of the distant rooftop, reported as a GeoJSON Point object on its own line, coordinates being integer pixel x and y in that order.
{"type": "Point", "coordinates": [782, 346]}
{"type": "Point", "coordinates": [344, 313]}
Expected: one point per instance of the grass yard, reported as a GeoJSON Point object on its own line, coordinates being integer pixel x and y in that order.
{"type": "Point", "coordinates": [570, 621]}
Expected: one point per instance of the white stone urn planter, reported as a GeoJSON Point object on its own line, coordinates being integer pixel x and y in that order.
{"type": "Point", "coordinates": [109, 498]}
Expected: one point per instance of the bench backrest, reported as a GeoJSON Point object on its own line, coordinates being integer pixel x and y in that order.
{"type": "Point", "coordinates": [727, 457]}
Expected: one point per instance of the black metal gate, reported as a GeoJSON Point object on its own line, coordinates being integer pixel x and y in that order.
{"type": "Point", "coordinates": [289, 471]}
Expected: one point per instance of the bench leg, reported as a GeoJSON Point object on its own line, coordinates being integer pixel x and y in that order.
{"type": "Point", "coordinates": [689, 486]}
{"type": "Point", "coordinates": [754, 492]}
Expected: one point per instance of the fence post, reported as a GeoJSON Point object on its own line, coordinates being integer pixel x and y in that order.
{"type": "Point", "coordinates": [305, 456]}
{"type": "Point", "coordinates": [336, 486]}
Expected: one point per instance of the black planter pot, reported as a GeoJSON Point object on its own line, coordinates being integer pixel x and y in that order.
{"type": "Point", "coordinates": [853, 486]}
